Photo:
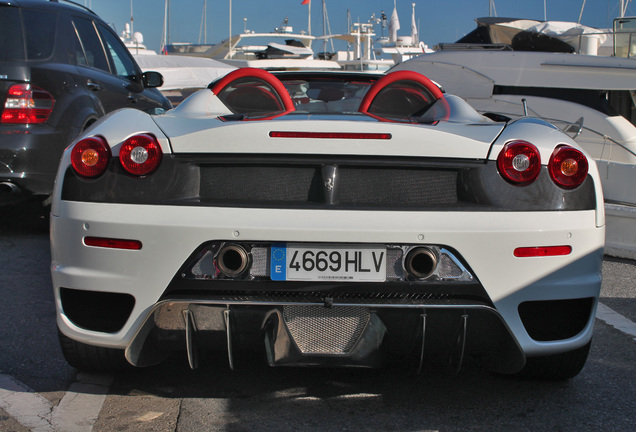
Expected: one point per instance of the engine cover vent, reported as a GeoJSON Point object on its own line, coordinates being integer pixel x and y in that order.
{"type": "Point", "coordinates": [320, 330]}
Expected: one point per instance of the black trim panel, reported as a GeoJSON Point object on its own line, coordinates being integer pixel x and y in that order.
{"type": "Point", "coordinates": [299, 182]}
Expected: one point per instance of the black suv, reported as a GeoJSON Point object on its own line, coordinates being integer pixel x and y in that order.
{"type": "Point", "coordinates": [61, 68]}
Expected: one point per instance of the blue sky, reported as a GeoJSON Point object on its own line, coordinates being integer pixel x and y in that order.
{"type": "Point", "coordinates": [439, 20]}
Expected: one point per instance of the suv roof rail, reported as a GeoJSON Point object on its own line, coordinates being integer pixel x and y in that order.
{"type": "Point", "coordinates": [81, 6]}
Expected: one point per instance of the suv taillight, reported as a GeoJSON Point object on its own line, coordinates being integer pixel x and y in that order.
{"type": "Point", "coordinates": [27, 104]}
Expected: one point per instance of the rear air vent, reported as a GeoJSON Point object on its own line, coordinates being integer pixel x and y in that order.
{"type": "Point", "coordinates": [97, 311]}
{"type": "Point", "coordinates": [371, 187]}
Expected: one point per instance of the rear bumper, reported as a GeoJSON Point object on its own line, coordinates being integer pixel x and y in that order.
{"type": "Point", "coordinates": [339, 335]}
{"type": "Point", "coordinates": [496, 327]}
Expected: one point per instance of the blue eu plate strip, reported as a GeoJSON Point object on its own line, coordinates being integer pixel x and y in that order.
{"type": "Point", "coordinates": [278, 260]}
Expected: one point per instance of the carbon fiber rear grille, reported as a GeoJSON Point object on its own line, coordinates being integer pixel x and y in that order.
{"type": "Point", "coordinates": [397, 187]}
{"type": "Point", "coordinates": [339, 186]}
{"type": "Point", "coordinates": [259, 183]}
{"type": "Point", "coordinates": [379, 298]}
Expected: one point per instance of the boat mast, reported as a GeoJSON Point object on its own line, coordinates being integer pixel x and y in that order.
{"type": "Point", "coordinates": [204, 23]}
{"type": "Point", "coordinates": [309, 18]}
{"type": "Point", "coordinates": [581, 14]}
{"type": "Point", "coordinates": [132, 32]}
{"type": "Point", "coordinates": [326, 28]}
{"type": "Point", "coordinates": [624, 5]}
{"type": "Point", "coordinates": [165, 37]}
{"type": "Point", "coordinates": [415, 37]}
{"type": "Point", "coordinates": [229, 40]}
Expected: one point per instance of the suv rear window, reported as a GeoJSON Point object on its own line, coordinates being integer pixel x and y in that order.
{"type": "Point", "coordinates": [39, 34]}
{"type": "Point", "coordinates": [11, 34]}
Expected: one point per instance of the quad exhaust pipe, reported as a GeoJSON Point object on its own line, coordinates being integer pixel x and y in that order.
{"type": "Point", "coordinates": [232, 260]}
{"type": "Point", "coordinates": [420, 262]}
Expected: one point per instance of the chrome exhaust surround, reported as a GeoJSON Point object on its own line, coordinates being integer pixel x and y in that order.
{"type": "Point", "coordinates": [232, 260]}
{"type": "Point", "coordinates": [251, 261]}
{"type": "Point", "coordinates": [420, 262]}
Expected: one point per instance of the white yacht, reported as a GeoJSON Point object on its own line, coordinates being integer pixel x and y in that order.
{"type": "Point", "coordinates": [571, 76]}
{"type": "Point", "coordinates": [182, 75]}
{"type": "Point", "coordinates": [134, 41]}
{"type": "Point", "coordinates": [279, 50]}
{"type": "Point", "coordinates": [362, 54]}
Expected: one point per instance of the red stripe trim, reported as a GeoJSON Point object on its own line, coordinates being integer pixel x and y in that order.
{"type": "Point", "coordinates": [331, 135]}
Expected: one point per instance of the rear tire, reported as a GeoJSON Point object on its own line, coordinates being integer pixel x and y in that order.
{"type": "Point", "coordinates": [92, 358]}
{"type": "Point", "coordinates": [557, 367]}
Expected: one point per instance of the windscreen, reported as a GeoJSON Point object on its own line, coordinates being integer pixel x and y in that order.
{"type": "Point", "coordinates": [326, 96]}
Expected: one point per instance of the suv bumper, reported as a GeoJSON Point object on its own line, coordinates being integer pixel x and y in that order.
{"type": "Point", "coordinates": [29, 158]}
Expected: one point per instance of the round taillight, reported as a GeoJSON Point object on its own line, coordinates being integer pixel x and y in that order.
{"type": "Point", "coordinates": [90, 156]}
{"type": "Point", "coordinates": [140, 154]}
{"type": "Point", "coordinates": [568, 167]}
{"type": "Point", "coordinates": [519, 162]}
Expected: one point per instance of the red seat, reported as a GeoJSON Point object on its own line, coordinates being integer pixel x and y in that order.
{"type": "Point", "coordinates": [400, 96]}
{"type": "Point", "coordinates": [254, 92]}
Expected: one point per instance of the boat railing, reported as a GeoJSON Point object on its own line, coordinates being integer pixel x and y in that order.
{"type": "Point", "coordinates": [474, 46]}
{"type": "Point", "coordinates": [622, 42]}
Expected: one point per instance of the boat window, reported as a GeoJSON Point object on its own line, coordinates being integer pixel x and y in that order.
{"type": "Point", "coordinates": [609, 102]}
{"type": "Point", "coordinates": [596, 99]}
{"type": "Point", "coordinates": [622, 101]}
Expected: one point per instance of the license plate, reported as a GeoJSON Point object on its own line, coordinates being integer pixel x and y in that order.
{"type": "Point", "coordinates": [311, 262]}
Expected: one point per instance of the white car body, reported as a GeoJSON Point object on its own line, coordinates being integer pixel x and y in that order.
{"type": "Point", "coordinates": [482, 242]}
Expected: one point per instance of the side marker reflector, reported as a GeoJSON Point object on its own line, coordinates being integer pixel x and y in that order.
{"type": "Point", "coordinates": [111, 243]}
{"type": "Point", "coordinates": [542, 251]}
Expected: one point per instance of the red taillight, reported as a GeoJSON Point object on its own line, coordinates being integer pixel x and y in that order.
{"type": "Point", "coordinates": [519, 163]}
{"type": "Point", "coordinates": [140, 154]}
{"type": "Point", "coordinates": [568, 167]}
{"type": "Point", "coordinates": [90, 156]}
{"type": "Point", "coordinates": [112, 243]}
{"type": "Point", "coordinates": [542, 251]}
{"type": "Point", "coordinates": [27, 104]}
